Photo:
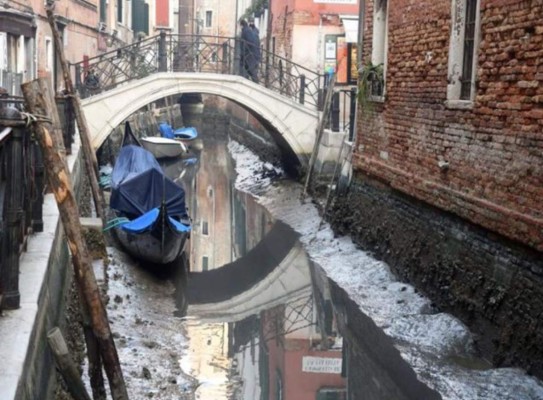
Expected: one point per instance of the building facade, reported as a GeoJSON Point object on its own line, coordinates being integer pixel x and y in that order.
{"type": "Point", "coordinates": [448, 161]}
{"type": "Point", "coordinates": [332, 27]}
{"type": "Point", "coordinates": [87, 28]}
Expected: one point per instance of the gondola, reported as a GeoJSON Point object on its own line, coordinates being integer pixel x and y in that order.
{"type": "Point", "coordinates": [152, 223]}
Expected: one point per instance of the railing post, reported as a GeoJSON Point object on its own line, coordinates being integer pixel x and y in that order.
{"type": "Point", "coordinates": [224, 57]}
{"type": "Point", "coordinates": [39, 176]}
{"type": "Point", "coordinates": [352, 114]}
{"type": "Point", "coordinates": [237, 57]}
{"type": "Point", "coordinates": [267, 70]}
{"type": "Point", "coordinates": [162, 53]}
{"type": "Point", "coordinates": [335, 108]}
{"type": "Point", "coordinates": [78, 83]}
{"type": "Point", "coordinates": [13, 215]}
{"type": "Point", "coordinates": [302, 89]}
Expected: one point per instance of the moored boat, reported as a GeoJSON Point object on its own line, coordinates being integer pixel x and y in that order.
{"type": "Point", "coordinates": [162, 147]}
{"type": "Point", "coordinates": [152, 224]}
{"type": "Point", "coordinates": [185, 134]}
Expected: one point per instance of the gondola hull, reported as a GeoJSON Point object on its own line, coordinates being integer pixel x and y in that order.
{"type": "Point", "coordinates": [160, 245]}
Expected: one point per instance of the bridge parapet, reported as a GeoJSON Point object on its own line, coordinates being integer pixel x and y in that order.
{"type": "Point", "coordinates": [294, 122]}
{"type": "Point", "coordinates": [194, 53]}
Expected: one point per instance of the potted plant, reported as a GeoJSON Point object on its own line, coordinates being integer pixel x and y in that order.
{"type": "Point", "coordinates": [370, 82]}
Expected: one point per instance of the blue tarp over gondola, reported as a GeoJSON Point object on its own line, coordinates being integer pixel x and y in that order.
{"type": "Point", "coordinates": [139, 185]}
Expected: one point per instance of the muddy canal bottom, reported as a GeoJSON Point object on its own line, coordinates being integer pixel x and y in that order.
{"type": "Point", "coordinates": [244, 316]}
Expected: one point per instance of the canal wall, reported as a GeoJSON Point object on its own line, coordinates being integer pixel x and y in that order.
{"type": "Point", "coordinates": [26, 371]}
{"type": "Point", "coordinates": [494, 285]}
{"type": "Point", "coordinates": [254, 133]}
{"type": "Point", "coordinates": [375, 367]}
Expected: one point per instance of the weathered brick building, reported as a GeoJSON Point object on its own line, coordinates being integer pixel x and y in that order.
{"type": "Point", "coordinates": [448, 162]}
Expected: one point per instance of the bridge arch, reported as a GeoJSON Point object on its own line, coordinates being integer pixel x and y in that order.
{"type": "Point", "coordinates": [296, 123]}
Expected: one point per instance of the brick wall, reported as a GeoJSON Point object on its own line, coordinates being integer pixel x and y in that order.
{"type": "Point", "coordinates": [495, 149]}
{"type": "Point", "coordinates": [282, 26]}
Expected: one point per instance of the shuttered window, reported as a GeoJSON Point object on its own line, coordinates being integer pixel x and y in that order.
{"type": "Point", "coordinates": [469, 50]}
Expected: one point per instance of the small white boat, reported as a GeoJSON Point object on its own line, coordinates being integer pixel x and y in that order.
{"type": "Point", "coordinates": [163, 147]}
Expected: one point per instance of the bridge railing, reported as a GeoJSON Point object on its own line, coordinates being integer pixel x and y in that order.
{"type": "Point", "coordinates": [194, 53]}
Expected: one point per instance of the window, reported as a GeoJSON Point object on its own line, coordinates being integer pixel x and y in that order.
{"type": "Point", "coordinates": [205, 228]}
{"type": "Point", "coordinates": [120, 11]}
{"type": "Point", "coordinates": [462, 53]}
{"type": "Point", "coordinates": [209, 19]}
{"type": "Point", "coordinates": [103, 10]}
{"type": "Point", "coordinates": [205, 263]}
{"type": "Point", "coordinates": [64, 34]}
{"type": "Point", "coordinates": [48, 54]}
{"type": "Point", "coordinates": [379, 44]}
{"type": "Point", "coordinates": [140, 17]}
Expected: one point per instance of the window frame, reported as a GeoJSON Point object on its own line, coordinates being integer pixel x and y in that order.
{"type": "Point", "coordinates": [379, 46]}
{"type": "Point", "coordinates": [210, 14]}
{"type": "Point", "coordinates": [49, 54]}
{"type": "Point", "coordinates": [457, 49]}
{"type": "Point", "coordinates": [120, 12]}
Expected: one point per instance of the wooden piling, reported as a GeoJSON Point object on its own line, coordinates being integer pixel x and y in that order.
{"type": "Point", "coordinates": [320, 130]}
{"type": "Point", "coordinates": [93, 354]}
{"type": "Point", "coordinates": [66, 365]}
{"type": "Point", "coordinates": [91, 162]}
{"type": "Point", "coordinates": [39, 103]}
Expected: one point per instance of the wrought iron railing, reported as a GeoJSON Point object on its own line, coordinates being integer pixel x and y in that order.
{"type": "Point", "coordinates": [22, 182]}
{"type": "Point", "coordinates": [21, 195]}
{"type": "Point", "coordinates": [343, 110]}
{"type": "Point", "coordinates": [194, 53]}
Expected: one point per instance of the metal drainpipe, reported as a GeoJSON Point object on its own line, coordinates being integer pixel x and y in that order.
{"type": "Point", "coordinates": [360, 49]}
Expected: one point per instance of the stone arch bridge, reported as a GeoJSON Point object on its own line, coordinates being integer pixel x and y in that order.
{"type": "Point", "coordinates": [116, 84]}
{"type": "Point", "coordinates": [294, 122]}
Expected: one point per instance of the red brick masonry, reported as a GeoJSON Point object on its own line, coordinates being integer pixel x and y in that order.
{"type": "Point", "coordinates": [495, 149]}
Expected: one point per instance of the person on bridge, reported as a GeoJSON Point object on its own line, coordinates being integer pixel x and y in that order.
{"type": "Point", "coordinates": [250, 52]}
{"type": "Point", "coordinates": [254, 28]}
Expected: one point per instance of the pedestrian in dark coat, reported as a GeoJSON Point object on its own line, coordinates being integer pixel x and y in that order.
{"type": "Point", "coordinates": [250, 52]}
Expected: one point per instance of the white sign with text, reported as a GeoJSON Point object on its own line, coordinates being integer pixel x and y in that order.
{"type": "Point", "coordinates": [321, 365]}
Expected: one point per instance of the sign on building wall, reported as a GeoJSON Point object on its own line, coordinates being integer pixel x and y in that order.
{"type": "Point", "coordinates": [321, 365]}
{"type": "Point", "coordinates": [336, 1]}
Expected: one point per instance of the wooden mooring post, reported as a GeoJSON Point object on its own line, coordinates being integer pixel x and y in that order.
{"type": "Point", "coordinates": [39, 103]}
{"type": "Point", "coordinates": [66, 365]}
{"type": "Point", "coordinates": [91, 162]}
